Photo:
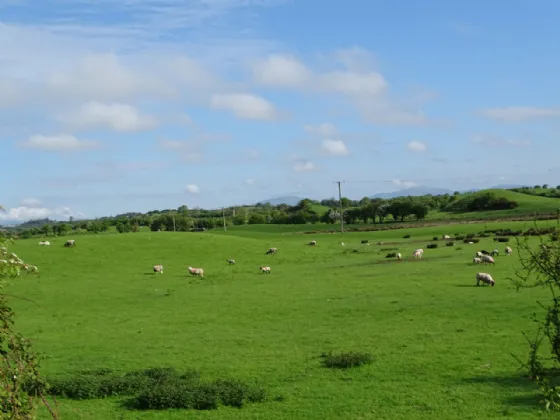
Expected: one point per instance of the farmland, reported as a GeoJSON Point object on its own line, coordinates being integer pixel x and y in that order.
{"type": "Point", "coordinates": [440, 346]}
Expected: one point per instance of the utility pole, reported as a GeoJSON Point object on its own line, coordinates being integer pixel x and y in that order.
{"type": "Point", "coordinates": [224, 218]}
{"type": "Point", "coordinates": [340, 202]}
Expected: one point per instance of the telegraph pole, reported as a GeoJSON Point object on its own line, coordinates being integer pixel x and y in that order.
{"type": "Point", "coordinates": [340, 202]}
{"type": "Point", "coordinates": [224, 218]}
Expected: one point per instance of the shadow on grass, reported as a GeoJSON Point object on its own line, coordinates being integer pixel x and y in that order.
{"type": "Point", "coordinates": [149, 274]}
{"type": "Point", "coordinates": [527, 393]}
{"type": "Point", "coordinates": [466, 285]}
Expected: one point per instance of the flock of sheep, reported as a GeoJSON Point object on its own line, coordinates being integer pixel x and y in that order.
{"type": "Point", "coordinates": [481, 257]}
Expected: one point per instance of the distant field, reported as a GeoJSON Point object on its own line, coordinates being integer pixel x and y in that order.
{"type": "Point", "coordinates": [441, 347]}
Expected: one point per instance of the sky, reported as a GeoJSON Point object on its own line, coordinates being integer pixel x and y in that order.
{"type": "Point", "coordinates": [114, 106]}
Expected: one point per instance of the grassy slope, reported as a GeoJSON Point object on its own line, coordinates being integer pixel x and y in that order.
{"type": "Point", "coordinates": [442, 347]}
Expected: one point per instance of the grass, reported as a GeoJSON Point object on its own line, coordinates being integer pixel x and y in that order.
{"type": "Point", "coordinates": [429, 343]}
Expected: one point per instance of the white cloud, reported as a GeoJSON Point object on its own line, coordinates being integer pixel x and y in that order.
{"type": "Point", "coordinates": [187, 151]}
{"type": "Point", "coordinates": [520, 113]}
{"type": "Point", "coordinates": [335, 147]}
{"type": "Point", "coordinates": [324, 130]}
{"type": "Point", "coordinates": [115, 116]}
{"type": "Point", "coordinates": [416, 146]}
{"type": "Point", "coordinates": [496, 141]}
{"type": "Point", "coordinates": [58, 143]}
{"type": "Point", "coordinates": [30, 202]}
{"type": "Point", "coordinates": [253, 154]}
{"type": "Point", "coordinates": [304, 166]}
{"type": "Point", "coordinates": [281, 71]}
{"type": "Point", "coordinates": [193, 188]}
{"type": "Point", "coordinates": [245, 106]}
{"type": "Point", "coordinates": [403, 184]}
{"type": "Point", "coordinates": [249, 181]}
{"type": "Point", "coordinates": [24, 213]}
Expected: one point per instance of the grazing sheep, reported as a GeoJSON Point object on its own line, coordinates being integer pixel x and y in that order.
{"type": "Point", "coordinates": [446, 237]}
{"type": "Point", "coordinates": [265, 270]}
{"type": "Point", "coordinates": [399, 256]}
{"type": "Point", "coordinates": [485, 278]}
{"type": "Point", "coordinates": [417, 254]}
{"type": "Point", "coordinates": [47, 243]}
{"type": "Point", "coordinates": [231, 262]}
{"type": "Point", "coordinates": [313, 243]}
{"type": "Point", "coordinates": [158, 268]}
{"type": "Point", "coordinates": [484, 252]}
{"type": "Point", "coordinates": [478, 254]}
{"type": "Point", "coordinates": [196, 272]}
{"type": "Point", "coordinates": [342, 243]}
{"type": "Point", "coordinates": [508, 250]}
{"type": "Point", "coordinates": [476, 260]}
{"type": "Point", "coordinates": [487, 259]}
{"type": "Point", "coordinates": [69, 243]}
{"type": "Point", "coordinates": [272, 251]}
{"type": "Point", "coordinates": [495, 253]}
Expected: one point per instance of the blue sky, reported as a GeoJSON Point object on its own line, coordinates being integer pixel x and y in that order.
{"type": "Point", "coordinates": [148, 104]}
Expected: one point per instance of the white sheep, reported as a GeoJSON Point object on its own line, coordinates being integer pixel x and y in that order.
{"type": "Point", "coordinates": [478, 254]}
{"type": "Point", "coordinates": [485, 278]}
{"type": "Point", "coordinates": [313, 243]}
{"type": "Point", "coordinates": [477, 260]}
{"type": "Point", "coordinates": [399, 256]}
{"type": "Point", "coordinates": [342, 244]}
{"type": "Point", "coordinates": [47, 243]}
{"type": "Point", "coordinates": [508, 250]}
{"type": "Point", "coordinates": [495, 253]}
{"type": "Point", "coordinates": [196, 272]}
{"type": "Point", "coordinates": [445, 237]}
{"type": "Point", "coordinates": [158, 268]}
{"type": "Point", "coordinates": [272, 251]}
{"type": "Point", "coordinates": [487, 259]}
{"type": "Point", "coordinates": [265, 270]}
{"type": "Point", "coordinates": [231, 262]}
{"type": "Point", "coordinates": [417, 254]}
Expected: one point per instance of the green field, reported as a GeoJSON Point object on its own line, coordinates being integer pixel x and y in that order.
{"type": "Point", "coordinates": [441, 346]}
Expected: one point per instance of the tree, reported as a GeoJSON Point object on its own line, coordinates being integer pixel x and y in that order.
{"type": "Point", "coordinates": [541, 267]}
{"type": "Point", "coordinates": [21, 385]}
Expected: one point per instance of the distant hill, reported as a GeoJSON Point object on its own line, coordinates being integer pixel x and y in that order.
{"type": "Point", "coordinates": [290, 200]}
{"type": "Point", "coordinates": [413, 191]}
{"type": "Point", "coordinates": [506, 186]}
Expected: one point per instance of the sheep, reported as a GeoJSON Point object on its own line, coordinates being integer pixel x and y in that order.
{"type": "Point", "coordinates": [196, 271]}
{"type": "Point", "coordinates": [485, 278]}
{"type": "Point", "coordinates": [272, 251]}
{"type": "Point", "coordinates": [69, 243]}
{"type": "Point", "coordinates": [158, 268]}
{"type": "Point", "coordinates": [399, 256]}
{"type": "Point", "coordinates": [417, 254]}
{"type": "Point", "coordinates": [446, 237]}
{"type": "Point", "coordinates": [231, 262]}
{"type": "Point", "coordinates": [312, 243]}
{"type": "Point", "coordinates": [487, 259]}
{"type": "Point", "coordinates": [265, 270]}
{"type": "Point", "coordinates": [484, 252]}
{"type": "Point", "coordinates": [495, 253]}
{"type": "Point", "coordinates": [508, 250]}
{"type": "Point", "coordinates": [47, 243]}
{"type": "Point", "coordinates": [342, 244]}
{"type": "Point", "coordinates": [476, 260]}
{"type": "Point", "coordinates": [478, 254]}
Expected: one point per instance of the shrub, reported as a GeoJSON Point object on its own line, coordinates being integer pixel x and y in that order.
{"type": "Point", "coordinates": [407, 236]}
{"type": "Point", "coordinates": [157, 389]}
{"type": "Point", "coordinates": [450, 244]}
{"type": "Point", "coordinates": [345, 360]}
{"type": "Point", "coordinates": [473, 240]}
{"type": "Point", "coordinates": [431, 246]}
{"type": "Point", "coordinates": [470, 235]}
{"type": "Point", "coordinates": [365, 241]}
{"type": "Point", "coordinates": [459, 237]}
{"type": "Point", "coordinates": [503, 239]}
{"type": "Point", "coordinates": [435, 238]}
{"type": "Point", "coordinates": [458, 248]}
{"type": "Point", "coordinates": [554, 236]}
{"type": "Point", "coordinates": [391, 255]}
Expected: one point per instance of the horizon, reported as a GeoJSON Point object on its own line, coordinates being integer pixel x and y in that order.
{"type": "Point", "coordinates": [129, 108]}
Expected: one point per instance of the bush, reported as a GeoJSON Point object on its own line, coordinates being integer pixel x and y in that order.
{"type": "Point", "coordinates": [470, 235]}
{"type": "Point", "coordinates": [473, 240]}
{"type": "Point", "coordinates": [391, 255]}
{"type": "Point", "coordinates": [450, 244]}
{"type": "Point", "coordinates": [345, 360]}
{"type": "Point", "coordinates": [431, 246]}
{"type": "Point", "coordinates": [554, 236]}
{"type": "Point", "coordinates": [365, 241]}
{"type": "Point", "coordinates": [435, 238]}
{"type": "Point", "coordinates": [157, 389]}
{"type": "Point", "coordinates": [407, 236]}
{"type": "Point", "coordinates": [503, 239]}
{"type": "Point", "coordinates": [459, 237]}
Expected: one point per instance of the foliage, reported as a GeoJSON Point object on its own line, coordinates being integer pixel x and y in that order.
{"type": "Point", "coordinates": [345, 360]}
{"type": "Point", "coordinates": [432, 246]}
{"type": "Point", "coordinates": [482, 202]}
{"type": "Point", "coordinates": [157, 389]}
{"type": "Point", "coordinates": [541, 267]}
{"type": "Point", "coordinates": [450, 244]}
{"type": "Point", "coordinates": [21, 385]}
{"type": "Point", "coordinates": [391, 255]}
{"type": "Point", "coordinates": [502, 239]}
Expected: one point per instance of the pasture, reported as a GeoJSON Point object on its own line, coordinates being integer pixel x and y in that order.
{"type": "Point", "coordinates": [440, 345]}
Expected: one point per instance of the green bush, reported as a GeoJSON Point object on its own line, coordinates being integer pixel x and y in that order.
{"type": "Point", "coordinates": [450, 244]}
{"type": "Point", "coordinates": [407, 236]}
{"type": "Point", "coordinates": [391, 255]}
{"type": "Point", "coordinates": [459, 237]}
{"type": "Point", "coordinates": [431, 246]}
{"type": "Point", "coordinates": [345, 360]}
{"type": "Point", "coordinates": [503, 239]}
{"type": "Point", "coordinates": [365, 241]}
{"type": "Point", "coordinates": [435, 238]}
{"type": "Point", "coordinates": [473, 240]}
